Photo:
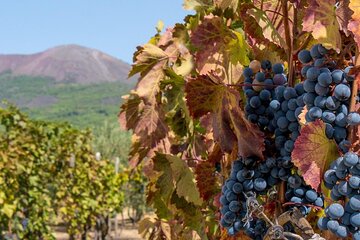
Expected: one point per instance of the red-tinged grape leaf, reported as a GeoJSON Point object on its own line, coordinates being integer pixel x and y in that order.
{"type": "Point", "coordinates": [321, 21]}
{"type": "Point", "coordinates": [354, 25]}
{"type": "Point", "coordinates": [202, 95]}
{"type": "Point", "coordinates": [216, 154]}
{"type": "Point", "coordinates": [313, 152]}
{"type": "Point", "coordinates": [148, 125]}
{"type": "Point", "coordinates": [209, 33]}
{"type": "Point", "coordinates": [218, 47]}
{"type": "Point", "coordinates": [129, 111]}
{"type": "Point", "coordinates": [206, 94]}
{"type": "Point", "coordinates": [343, 14]}
{"type": "Point", "coordinates": [206, 180]}
{"type": "Point", "coordinates": [151, 124]}
{"type": "Point", "coordinates": [139, 150]}
{"type": "Point", "coordinates": [268, 29]}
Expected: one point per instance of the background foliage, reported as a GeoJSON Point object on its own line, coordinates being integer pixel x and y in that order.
{"type": "Point", "coordinates": [48, 172]}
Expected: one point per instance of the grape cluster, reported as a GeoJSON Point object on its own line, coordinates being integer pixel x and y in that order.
{"type": "Point", "coordinates": [245, 179]}
{"type": "Point", "coordinates": [249, 177]}
{"type": "Point", "coordinates": [327, 93]}
{"type": "Point", "coordinates": [260, 81]}
{"type": "Point", "coordinates": [286, 107]}
{"type": "Point", "coordinates": [271, 105]}
{"type": "Point", "coordinates": [343, 179]}
{"type": "Point", "coordinates": [302, 195]}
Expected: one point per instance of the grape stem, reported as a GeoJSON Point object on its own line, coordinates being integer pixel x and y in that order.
{"type": "Point", "coordinates": [354, 92]}
{"type": "Point", "coordinates": [288, 41]}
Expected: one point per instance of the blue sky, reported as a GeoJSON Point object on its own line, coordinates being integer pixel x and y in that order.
{"type": "Point", "coordinates": [113, 26]}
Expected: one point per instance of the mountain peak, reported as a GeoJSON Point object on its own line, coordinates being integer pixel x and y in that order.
{"type": "Point", "coordinates": [67, 63]}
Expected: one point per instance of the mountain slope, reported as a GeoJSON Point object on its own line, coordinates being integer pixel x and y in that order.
{"type": "Point", "coordinates": [83, 105]}
{"type": "Point", "coordinates": [67, 63]}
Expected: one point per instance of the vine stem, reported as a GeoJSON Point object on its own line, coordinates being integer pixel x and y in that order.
{"type": "Point", "coordinates": [289, 44]}
{"type": "Point", "coordinates": [354, 92]}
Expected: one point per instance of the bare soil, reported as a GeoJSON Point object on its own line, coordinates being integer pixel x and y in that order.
{"type": "Point", "coordinates": [127, 231]}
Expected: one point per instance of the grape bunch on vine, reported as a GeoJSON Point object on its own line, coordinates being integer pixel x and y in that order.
{"type": "Point", "coordinates": [246, 121]}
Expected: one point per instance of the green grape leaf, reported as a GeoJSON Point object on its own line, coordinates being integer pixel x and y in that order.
{"type": "Point", "coordinates": [206, 94]}
{"type": "Point", "coordinates": [321, 21]}
{"type": "Point", "coordinates": [313, 152]}
{"type": "Point", "coordinates": [171, 176]}
{"type": "Point", "coordinates": [8, 210]}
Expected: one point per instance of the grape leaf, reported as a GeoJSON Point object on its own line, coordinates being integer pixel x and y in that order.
{"type": "Point", "coordinates": [343, 14]}
{"type": "Point", "coordinates": [354, 25]}
{"type": "Point", "coordinates": [216, 154]}
{"type": "Point", "coordinates": [196, 4]}
{"type": "Point", "coordinates": [313, 152]}
{"type": "Point", "coordinates": [205, 179]}
{"type": "Point", "coordinates": [184, 178]}
{"type": "Point", "coordinates": [218, 47]}
{"type": "Point", "coordinates": [224, 4]}
{"type": "Point", "coordinates": [207, 95]}
{"type": "Point", "coordinates": [172, 191]}
{"type": "Point", "coordinates": [268, 29]}
{"type": "Point", "coordinates": [175, 176]}
{"type": "Point", "coordinates": [148, 124]}
{"type": "Point", "coordinates": [321, 21]}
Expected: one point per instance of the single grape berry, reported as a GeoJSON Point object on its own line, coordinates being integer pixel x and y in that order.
{"type": "Point", "coordinates": [278, 68]}
{"type": "Point", "coordinates": [342, 92]}
{"type": "Point", "coordinates": [304, 56]}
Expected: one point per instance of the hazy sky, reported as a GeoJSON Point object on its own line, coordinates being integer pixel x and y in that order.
{"type": "Point", "coordinates": [113, 26]}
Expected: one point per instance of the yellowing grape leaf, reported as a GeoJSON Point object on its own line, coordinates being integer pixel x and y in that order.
{"type": "Point", "coordinates": [224, 4]}
{"type": "Point", "coordinates": [268, 29]}
{"type": "Point", "coordinates": [354, 25]}
{"type": "Point", "coordinates": [321, 21]}
{"type": "Point", "coordinates": [207, 95]}
{"type": "Point", "coordinates": [313, 152]}
{"type": "Point", "coordinates": [195, 4]}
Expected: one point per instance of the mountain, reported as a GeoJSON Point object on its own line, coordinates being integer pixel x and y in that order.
{"type": "Point", "coordinates": [67, 63]}
{"type": "Point", "coordinates": [70, 83]}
